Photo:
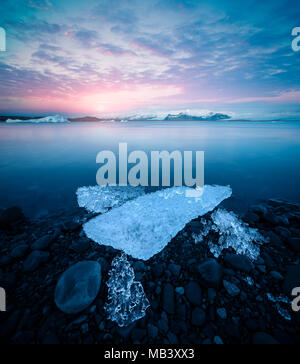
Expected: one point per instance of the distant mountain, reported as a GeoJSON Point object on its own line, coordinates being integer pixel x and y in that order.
{"type": "Point", "coordinates": [187, 117]}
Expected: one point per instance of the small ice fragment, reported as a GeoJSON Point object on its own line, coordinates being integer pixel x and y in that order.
{"type": "Point", "coordinates": [100, 199]}
{"type": "Point", "coordinates": [128, 302]}
{"type": "Point", "coordinates": [235, 234]}
{"type": "Point", "coordinates": [145, 226]}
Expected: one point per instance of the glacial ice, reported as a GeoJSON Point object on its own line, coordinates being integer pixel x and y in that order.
{"type": "Point", "coordinates": [145, 226]}
{"type": "Point", "coordinates": [100, 199]}
{"type": "Point", "coordinates": [128, 302]}
{"type": "Point", "coordinates": [235, 234]}
{"type": "Point", "coordinates": [48, 119]}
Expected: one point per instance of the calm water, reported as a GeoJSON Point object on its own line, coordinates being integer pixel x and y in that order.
{"type": "Point", "coordinates": [41, 166]}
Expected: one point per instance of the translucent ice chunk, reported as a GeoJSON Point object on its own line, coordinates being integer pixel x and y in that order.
{"type": "Point", "coordinates": [144, 227]}
{"type": "Point", "coordinates": [100, 199]}
{"type": "Point", "coordinates": [128, 302]}
{"type": "Point", "coordinates": [235, 234]}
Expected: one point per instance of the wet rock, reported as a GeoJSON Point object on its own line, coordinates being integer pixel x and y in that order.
{"type": "Point", "coordinates": [218, 341]}
{"type": "Point", "coordinates": [173, 340]}
{"type": "Point", "coordinates": [294, 243]}
{"type": "Point", "coordinates": [231, 289]}
{"type": "Point", "coordinates": [239, 262]}
{"type": "Point", "coordinates": [261, 338]}
{"type": "Point", "coordinates": [20, 251]}
{"type": "Point", "coordinates": [158, 270]}
{"type": "Point", "coordinates": [175, 269]}
{"type": "Point", "coordinates": [193, 293]}
{"type": "Point", "coordinates": [80, 246]}
{"type": "Point", "coordinates": [139, 267]}
{"type": "Point", "coordinates": [163, 323]}
{"type": "Point", "coordinates": [35, 260]}
{"type": "Point", "coordinates": [10, 217]}
{"type": "Point", "coordinates": [277, 276]}
{"type": "Point", "coordinates": [138, 335]}
{"type": "Point", "coordinates": [198, 317]}
{"type": "Point", "coordinates": [23, 338]}
{"type": "Point", "coordinates": [78, 287]}
{"type": "Point", "coordinates": [8, 327]}
{"type": "Point", "coordinates": [222, 313]}
{"type": "Point", "coordinates": [169, 299]}
{"type": "Point", "coordinates": [152, 331]}
{"type": "Point", "coordinates": [211, 273]}
{"type": "Point", "coordinates": [292, 279]}
{"type": "Point", "coordinates": [180, 290]}
{"type": "Point", "coordinates": [42, 243]}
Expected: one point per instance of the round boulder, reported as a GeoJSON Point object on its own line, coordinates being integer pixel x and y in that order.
{"type": "Point", "coordinates": [78, 287]}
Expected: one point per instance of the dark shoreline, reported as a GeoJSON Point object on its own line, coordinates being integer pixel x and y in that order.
{"type": "Point", "coordinates": [204, 315]}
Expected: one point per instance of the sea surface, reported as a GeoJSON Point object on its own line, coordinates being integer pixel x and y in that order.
{"type": "Point", "coordinates": [41, 166]}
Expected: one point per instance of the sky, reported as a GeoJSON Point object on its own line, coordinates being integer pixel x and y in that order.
{"type": "Point", "coordinates": [121, 57]}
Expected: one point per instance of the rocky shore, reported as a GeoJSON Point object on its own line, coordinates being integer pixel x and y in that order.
{"type": "Point", "coordinates": [194, 297]}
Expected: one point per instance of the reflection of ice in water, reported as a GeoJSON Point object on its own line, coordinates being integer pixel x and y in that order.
{"type": "Point", "coordinates": [144, 227]}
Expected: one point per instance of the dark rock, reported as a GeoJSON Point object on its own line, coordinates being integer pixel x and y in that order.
{"type": "Point", "coordinates": [294, 243]}
{"type": "Point", "coordinates": [24, 338]}
{"type": "Point", "coordinates": [42, 243]}
{"type": "Point", "coordinates": [138, 335]}
{"type": "Point", "coordinates": [173, 340]}
{"type": "Point", "coordinates": [169, 299]}
{"type": "Point", "coordinates": [50, 339]}
{"type": "Point", "coordinates": [8, 327]}
{"type": "Point", "coordinates": [152, 331]}
{"type": "Point", "coordinates": [35, 260]}
{"type": "Point", "coordinates": [239, 262]}
{"type": "Point", "coordinates": [262, 338]}
{"type": "Point", "coordinates": [292, 279]}
{"type": "Point", "coordinates": [193, 293]}
{"type": "Point", "coordinates": [10, 217]}
{"type": "Point", "coordinates": [163, 323]}
{"type": "Point", "coordinates": [80, 246]}
{"type": "Point", "coordinates": [231, 289]}
{"type": "Point", "coordinates": [175, 269]}
{"type": "Point", "coordinates": [139, 267]}
{"type": "Point", "coordinates": [277, 276]}
{"type": "Point", "coordinates": [158, 270]}
{"type": "Point", "coordinates": [252, 218]}
{"type": "Point", "coordinates": [211, 273]}
{"type": "Point", "coordinates": [78, 287]}
{"type": "Point", "coordinates": [198, 317]}
{"type": "Point", "coordinates": [20, 251]}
